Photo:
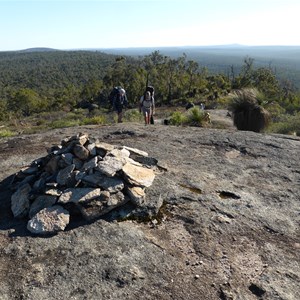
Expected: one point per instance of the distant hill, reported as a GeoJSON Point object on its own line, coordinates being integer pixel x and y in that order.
{"type": "Point", "coordinates": [40, 49]}
{"type": "Point", "coordinates": [284, 60]}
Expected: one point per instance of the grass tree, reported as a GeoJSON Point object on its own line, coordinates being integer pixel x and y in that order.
{"type": "Point", "coordinates": [247, 112]}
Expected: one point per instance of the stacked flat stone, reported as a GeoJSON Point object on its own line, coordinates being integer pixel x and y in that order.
{"type": "Point", "coordinates": [82, 172]}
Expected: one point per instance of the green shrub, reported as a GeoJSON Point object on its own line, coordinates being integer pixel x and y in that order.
{"type": "Point", "coordinates": [223, 102]}
{"type": "Point", "coordinates": [6, 133]}
{"type": "Point", "coordinates": [64, 123]}
{"type": "Point", "coordinates": [96, 120]}
{"type": "Point", "coordinates": [178, 118]}
{"type": "Point", "coordinates": [195, 116]}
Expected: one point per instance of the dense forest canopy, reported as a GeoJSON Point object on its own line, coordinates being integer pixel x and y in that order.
{"type": "Point", "coordinates": [51, 69]}
{"type": "Point", "coordinates": [40, 80]}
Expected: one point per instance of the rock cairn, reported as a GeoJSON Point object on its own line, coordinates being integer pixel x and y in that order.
{"type": "Point", "coordinates": [81, 176]}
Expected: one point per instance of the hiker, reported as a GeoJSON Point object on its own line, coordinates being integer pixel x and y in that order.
{"type": "Point", "coordinates": [119, 103]}
{"type": "Point", "coordinates": [147, 107]}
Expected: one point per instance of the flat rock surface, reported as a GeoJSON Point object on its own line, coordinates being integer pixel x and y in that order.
{"type": "Point", "coordinates": [228, 229]}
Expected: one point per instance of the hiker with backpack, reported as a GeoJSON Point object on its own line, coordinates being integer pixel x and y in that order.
{"type": "Point", "coordinates": [119, 101]}
{"type": "Point", "coordinates": [147, 105]}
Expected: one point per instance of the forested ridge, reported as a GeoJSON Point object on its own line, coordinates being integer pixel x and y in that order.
{"type": "Point", "coordinates": [32, 82]}
{"type": "Point", "coordinates": [42, 70]}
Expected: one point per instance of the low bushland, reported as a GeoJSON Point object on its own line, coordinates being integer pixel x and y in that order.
{"type": "Point", "coordinates": [286, 125]}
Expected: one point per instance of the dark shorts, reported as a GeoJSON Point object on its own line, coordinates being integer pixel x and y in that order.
{"type": "Point", "coordinates": [118, 108]}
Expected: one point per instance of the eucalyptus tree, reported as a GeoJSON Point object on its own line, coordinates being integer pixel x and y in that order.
{"type": "Point", "coordinates": [244, 79]}
{"type": "Point", "coordinates": [91, 90]}
{"type": "Point", "coordinates": [192, 68]}
{"type": "Point", "coordinates": [170, 76]}
{"type": "Point", "coordinates": [152, 69]}
{"type": "Point", "coordinates": [181, 83]}
{"type": "Point", "coordinates": [265, 81]}
{"type": "Point", "coordinates": [151, 64]}
{"type": "Point", "coordinates": [25, 102]}
{"type": "Point", "coordinates": [134, 84]}
{"type": "Point", "coordinates": [116, 73]}
{"type": "Point", "coordinates": [65, 98]}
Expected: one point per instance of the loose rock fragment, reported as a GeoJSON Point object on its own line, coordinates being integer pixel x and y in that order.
{"type": "Point", "coordinates": [49, 220]}
{"type": "Point", "coordinates": [20, 201]}
{"type": "Point", "coordinates": [76, 195]}
{"type": "Point", "coordinates": [40, 203]}
{"type": "Point", "coordinates": [136, 195]}
{"type": "Point", "coordinates": [137, 175]}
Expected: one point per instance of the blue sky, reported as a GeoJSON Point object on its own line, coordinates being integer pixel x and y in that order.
{"type": "Point", "coordinates": [77, 24]}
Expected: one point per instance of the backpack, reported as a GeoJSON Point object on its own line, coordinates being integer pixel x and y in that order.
{"type": "Point", "coordinates": [117, 98]}
{"type": "Point", "coordinates": [113, 94]}
{"type": "Point", "coordinates": [150, 89]}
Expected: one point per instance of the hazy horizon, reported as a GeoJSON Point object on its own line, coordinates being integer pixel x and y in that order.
{"type": "Point", "coordinates": [92, 24]}
{"type": "Point", "coordinates": [157, 47]}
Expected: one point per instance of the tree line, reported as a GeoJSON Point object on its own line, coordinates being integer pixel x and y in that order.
{"type": "Point", "coordinates": [34, 82]}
